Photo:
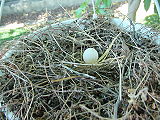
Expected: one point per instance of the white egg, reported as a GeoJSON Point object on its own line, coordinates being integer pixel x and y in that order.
{"type": "Point", "coordinates": [90, 56]}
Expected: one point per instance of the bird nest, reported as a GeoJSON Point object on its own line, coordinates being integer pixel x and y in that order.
{"type": "Point", "coordinates": [46, 77]}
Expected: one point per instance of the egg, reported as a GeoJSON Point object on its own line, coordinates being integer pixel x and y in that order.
{"type": "Point", "coordinates": [90, 56]}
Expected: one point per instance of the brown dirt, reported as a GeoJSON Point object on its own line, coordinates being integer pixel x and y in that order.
{"type": "Point", "coordinates": [56, 14]}
{"type": "Point", "coordinates": [35, 16]}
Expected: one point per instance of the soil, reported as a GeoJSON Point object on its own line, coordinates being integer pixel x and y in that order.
{"type": "Point", "coordinates": [34, 16]}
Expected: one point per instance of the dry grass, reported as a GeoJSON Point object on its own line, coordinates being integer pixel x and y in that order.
{"type": "Point", "coordinates": [46, 77]}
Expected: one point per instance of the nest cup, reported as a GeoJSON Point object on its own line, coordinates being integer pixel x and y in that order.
{"type": "Point", "coordinates": [47, 78]}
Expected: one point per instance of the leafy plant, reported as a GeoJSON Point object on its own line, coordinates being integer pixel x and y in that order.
{"type": "Point", "coordinates": [147, 4]}
{"type": "Point", "coordinates": [10, 34]}
{"type": "Point", "coordinates": [82, 9]}
{"type": "Point", "coordinates": [100, 6]}
{"type": "Point", "coordinates": [153, 21]}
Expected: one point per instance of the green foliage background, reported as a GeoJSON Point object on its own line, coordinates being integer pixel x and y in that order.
{"type": "Point", "coordinates": [10, 34]}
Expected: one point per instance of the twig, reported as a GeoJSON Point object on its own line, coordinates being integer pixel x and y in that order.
{"type": "Point", "coordinates": [93, 113]}
{"type": "Point", "coordinates": [78, 73]}
{"type": "Point", "coordinates": [103, 57]}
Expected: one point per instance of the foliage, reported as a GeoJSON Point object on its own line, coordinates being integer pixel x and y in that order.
{"type": "Point", "coordinates": [10, 34]}
{"type": "Point", "coordinates": [82, 9]}
{"type": "Point", "coordinates": [147, 4]}
{"type": "Point", "coordinates": [100, 6]}
{"type": "Point", "coordinates": [153, 21]}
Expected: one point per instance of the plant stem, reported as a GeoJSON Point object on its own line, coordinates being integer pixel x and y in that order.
{"type": "Point", "coordinates": [94, 10]}
{"type": "Point", "coordinates": [157, 6]}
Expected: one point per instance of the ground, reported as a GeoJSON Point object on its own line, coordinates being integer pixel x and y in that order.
{"type": "Point", "coordinates": [34, 16]}
{"type": "Point", "coordinates": [20, 24]}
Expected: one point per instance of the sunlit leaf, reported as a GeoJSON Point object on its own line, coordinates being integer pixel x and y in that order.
{"type": "Point", "coordinates": [101, 11]}
{"type": "Point", "coordinates": [102, 6]}
{"type": "Point", "coordinates": [107, 3]}
{"type": "Point", "coordinates": [98, 2]}
{"type": "Point", "coordinates": [79, 12]}
{"type": "Point", "coordinates": [82, 9]}
{"type": "Point", "coordinates": [84, 5]}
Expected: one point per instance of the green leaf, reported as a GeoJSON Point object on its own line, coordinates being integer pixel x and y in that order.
{"type": "Point", "coordinates": [147, 4]}
{"type": "Point", "coordinates": [79, 12]}
{"type": "Point", "coordinates": [84, 5]}
{"type": "Point", "coordinates": [107, 3]}
{"type": "Point", "coordinates": [103, 6]}
{"type": "Point", "coordinates": [82, 9]}
{"type": "Point", "coordinates": [101, 11]}
{"type": "Point", "coordinates": [98, 2]}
